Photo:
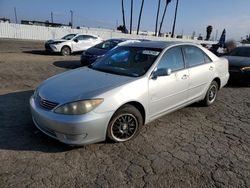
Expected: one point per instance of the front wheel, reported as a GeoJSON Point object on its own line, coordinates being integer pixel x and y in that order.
{"type": "Point", "coordinates": [65, 51]}
{"type": "Point", "coordinates": [211, 94]}
{"type": "Point", "coordinates": [125, 124]}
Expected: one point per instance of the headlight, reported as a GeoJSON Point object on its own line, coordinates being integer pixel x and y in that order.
{"type": "Point", "coordinates": [78, 107]}
{"type": "Point", "coordinates": [245, 68]}
{"type": "Point", "coordinates": [35, 93]}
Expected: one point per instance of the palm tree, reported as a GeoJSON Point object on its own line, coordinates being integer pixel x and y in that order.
{"type": "Point", "coordinates": [209, 31]}
{"type": "Point", "coordinates": [123, 15]}
{"type": "Point", "coordinates": [158, 9]}
{"type": "Point", "coordinates": [131, 17]}
{"type": "Point", "coordinates": [176, 9]}
{"type": "Point", "coordinates": [163, 16]}
{"type": "Point", "coordinates": [139, 20]}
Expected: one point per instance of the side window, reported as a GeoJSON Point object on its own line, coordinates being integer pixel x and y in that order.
{"type": "Point", "coordinates": [83, 37]}
{"type": "Point", "coordinates": [195, 56]}
{"type": "Point", "coordinates": [172, 59]}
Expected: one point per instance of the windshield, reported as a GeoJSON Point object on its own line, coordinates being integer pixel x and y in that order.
{"type": "Point", "coordinates": [69, 37]}
{"type": "Point", "coordinates": [241, 51]}
{"type": "Point", "coordinates": [107, 45]}
{"type": "Point", "coordinates": [127, 61]}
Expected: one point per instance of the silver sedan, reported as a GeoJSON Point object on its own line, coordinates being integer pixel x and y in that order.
{"type": "Point", "coordinates": [127, 88]}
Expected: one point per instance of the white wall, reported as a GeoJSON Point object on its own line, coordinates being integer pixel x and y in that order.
{"type": "Point", "coordinates": [19, 31]}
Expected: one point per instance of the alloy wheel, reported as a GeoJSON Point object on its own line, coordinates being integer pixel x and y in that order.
{"type": "Point", "coordinates": [124, 127]}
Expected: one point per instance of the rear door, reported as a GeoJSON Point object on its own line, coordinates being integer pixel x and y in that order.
{"type": "Point", "coordinates": [201, 71]}
{"type": "Point", "coordinates": [82, 42]}
{"type": "Point", "coordinates": [169, 92]}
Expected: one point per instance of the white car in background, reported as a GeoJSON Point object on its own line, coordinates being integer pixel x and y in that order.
{"type": "Point", "coordinates": [72, 43]}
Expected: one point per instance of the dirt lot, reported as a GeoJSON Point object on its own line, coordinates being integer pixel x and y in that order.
{"type": "Point", "coordinates": [193, 147]}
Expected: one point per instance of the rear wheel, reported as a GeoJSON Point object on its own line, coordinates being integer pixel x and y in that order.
{"type": "Point", "coordinates": [211, 94]}
{"type": "Point", "coordinates": [125, 124]}
{"type": "Point", "coordinates": [65, 51]}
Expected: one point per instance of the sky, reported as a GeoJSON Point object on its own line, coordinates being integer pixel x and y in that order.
{"type": "Point", "coordinates": [193, 15]}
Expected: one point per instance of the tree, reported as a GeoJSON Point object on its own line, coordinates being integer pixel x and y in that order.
{"type": "Point", "coordinates": [157, 16]}
{"type": "Point", "coordinates": [123, 15]}
{"type": "Point", "coordinates": [246, 40]}
{"type": "Point", "coordinates": [122, 28]}
{"type": "Point", "coordinates": [131, 17]}
{"type": "Point", "coordinates": [139, 20]}
{"type": "Point", "coordinates": [163, 16]}
{"type": "Point", "coordinates": [209, 31]}
{"type": "Point", "coordinates": [175, 15]}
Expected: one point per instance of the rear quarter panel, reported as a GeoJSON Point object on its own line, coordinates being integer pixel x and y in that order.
{"type": "Point", "coordinates": [221, 70]}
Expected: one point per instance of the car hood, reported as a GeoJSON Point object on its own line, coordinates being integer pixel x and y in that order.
{"type": "Point", "coordinates": [238, 61]}
{"type": "Point", "coordinates": [95, 51]}
{"type": "Point", "coordinates": [82, 83]}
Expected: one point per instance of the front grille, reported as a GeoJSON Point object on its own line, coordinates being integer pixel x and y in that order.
{"type": "Point", "coordinates": [48, 105]}
{"type": "Point", "coordinates": [47, 47]}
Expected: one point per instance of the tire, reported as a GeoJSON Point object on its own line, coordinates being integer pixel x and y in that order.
{"type": "Point", "coordinates": [125, 124]}
{"type": "Point", "coordinates": [65, 51]}
{"type": "Point", "coordinates": [211, 94]}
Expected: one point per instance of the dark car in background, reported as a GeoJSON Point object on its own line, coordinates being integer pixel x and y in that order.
{"type": "Point", "coordinates": [90, 55]}
{"type": "Point", "coordinates": [239, 64]}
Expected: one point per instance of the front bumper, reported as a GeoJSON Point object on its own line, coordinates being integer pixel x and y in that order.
{"type": "Point", "coordinates": [71, 129]}
{"type": "Point", "coordinates": [51, 48]}
{"type": "Point", "coordinates": [239, 76]}
{"type": "Point", "coordinates": [87, 59]}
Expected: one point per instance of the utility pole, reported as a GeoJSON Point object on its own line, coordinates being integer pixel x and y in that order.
{"type": "Point", "coordinates": [15, 14]}
{"type": "Point", "coordinates": [52, 18]}
{"type": "Point", "coordinates": [131, 17]}
{"type": "Point", "coordinates": [176, 8]}
{"type": "Point", "coordinates": [71, 15]}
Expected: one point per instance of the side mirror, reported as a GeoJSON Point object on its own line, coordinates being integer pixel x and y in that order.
{"type": "Point", "coordinates": [161, 72]}
{"type": "Point", "coordinates": [76, 40]}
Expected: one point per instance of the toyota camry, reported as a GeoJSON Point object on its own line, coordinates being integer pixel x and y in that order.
{"type": "Point", "coordinates": [129, 87]}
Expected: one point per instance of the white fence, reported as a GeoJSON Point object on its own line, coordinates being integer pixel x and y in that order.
{"type": "Point", "coordinates": [19, 31]}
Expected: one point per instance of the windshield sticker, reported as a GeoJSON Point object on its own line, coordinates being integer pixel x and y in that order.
{"type": "Point", "coordinates": [150, 52]}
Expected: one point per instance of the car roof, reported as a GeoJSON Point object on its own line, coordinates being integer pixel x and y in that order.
{"type": "Point", "coordinates": [154, 44]}
{"type": "Point", "coordinates": [86, 34]}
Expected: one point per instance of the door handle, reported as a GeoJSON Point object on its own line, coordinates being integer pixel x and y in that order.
{"type": "Point", "coordinates": [184, 77]}
{"type": "Point", "coordinates": [211, 68]}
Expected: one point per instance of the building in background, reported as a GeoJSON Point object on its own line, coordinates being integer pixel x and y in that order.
{"type": "Point", "coordinates": [46, 23]}
{"type": "Point", "coordinates": [4, 20]}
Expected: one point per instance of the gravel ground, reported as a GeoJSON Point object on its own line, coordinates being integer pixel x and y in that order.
{"type": "Point", "coordinates": [193, 147]}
